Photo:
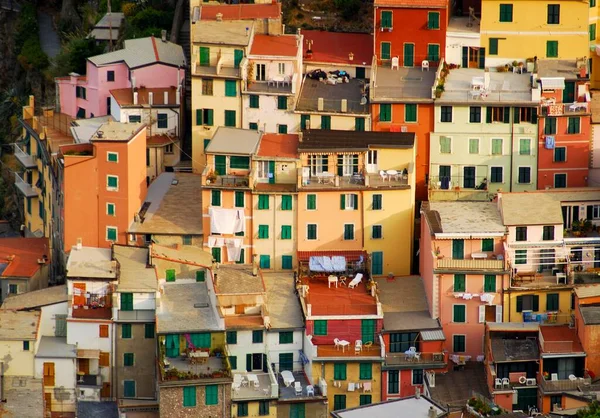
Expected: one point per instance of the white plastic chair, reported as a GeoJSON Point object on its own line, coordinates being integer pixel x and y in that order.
{"type": "Point", "coordinates": [310, 390]}
{"type": "Point", "coordinates": [572, 377]}
{"type": "Point", "coordinates": [395, 63]}
{"type": "Point", "coordinates": [298, 388]}
{"type": "Point", "coordinates": [417, 356]}
{"type": "Point", "coordinates": [425, 65]}
{"type": "Point", "coordinates": [505, 382]}
{"type": "Point", "coordinates": [355, 282]}
{"type": "Point", "coordinates": [498, 383]}
{"type": "Point", "coordinates": [336, 341]}
{"type": "Point", "coordinates": [357, 346]}
{"type": "Point", "coordinates": [383, 175]}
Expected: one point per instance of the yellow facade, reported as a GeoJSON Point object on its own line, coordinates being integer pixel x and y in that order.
{"type": "Point", "coordinates": [325, 371]}
{"type": "Point", "coordinates": [253, 409]}
{"type": "Point", "coordinates": [525, 32]}
{"type": "Point", "coordinates": [564, 304]}
{"type": "Point", "coordinates": [594, 40]}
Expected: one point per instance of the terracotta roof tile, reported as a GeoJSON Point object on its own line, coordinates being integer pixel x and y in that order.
{"type": "Point", "coordinates": [412, 3]}
{"type": "Point", "coordinates": [159, 140]}
{"type": "Point", "coordinates": [241, 11]}
{"type": "Point", "coordinates": [278, 145]}
{"type": "Point", "coordinates": [560, 339]}
{"type": "Point", "coordinates": [124, 97]}
{"type": "Point", "coordinates": [277, 45]}
{"type": "Point", "coordinates": [21, 255]}
{"type": "Point", "coordinates": [335, 47]}
{"type": "Point", "coordinates": [244, 322]}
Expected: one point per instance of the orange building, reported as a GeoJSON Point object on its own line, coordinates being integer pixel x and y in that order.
{"type": "Point", "coordinates": [102, 185]}
{"type": "Point", "coordinates": [587, 323]}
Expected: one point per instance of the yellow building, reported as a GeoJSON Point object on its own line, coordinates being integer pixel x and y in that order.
{"type": "Point", "coordinates": [548, 303]}
{"type": "Point", "coordinates": [520, 29]}
{"type": "Point", "coordinates": [594, 37]}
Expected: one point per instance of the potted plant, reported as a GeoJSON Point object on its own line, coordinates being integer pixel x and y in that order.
{"type": "Point", "coordinates": [217, 352]}
{"type": "Point", "coordinates": [211, 177]}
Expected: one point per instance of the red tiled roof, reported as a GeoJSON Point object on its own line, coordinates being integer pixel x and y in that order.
{"type": "Point", "coordinates": [241, 11]}
{"type": "Point", "coordinates": [244, 322]}
{"type": "Point", "coordinates": [278, 45]}
{"type": "Point", "coordinates": [350, 255]}
{"type": "Point", "coordinates": [158, 140]}
{"type": "Point", "coordinates": [339, 300]}
{"type": "Point", "coordinates": [412, 3]}
{"type": "Point", "coordinates": [334, 47]}
{"type": "Point", "coordinates": [21, 255]}
{"type": "Point", "coordinates": [124, 97]}
{"type": "Point", "coordinates": [560, 338]}
{"type": "Point", "coordinates": [278, 145]}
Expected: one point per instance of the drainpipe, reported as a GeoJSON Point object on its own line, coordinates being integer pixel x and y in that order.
{"type": "Point", "coordinates": [512, 143]}
{"type": "Point", "coordinates": [274, 226]}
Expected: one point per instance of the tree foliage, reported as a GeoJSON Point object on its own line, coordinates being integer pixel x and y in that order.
{"type": "Point", "coordinates": [74, 54]}
{"type": "Point", "coordinates": [27, 41]}
{"type": "Point", "coordinates": [348, 8]}
{"type": "Point", "coordinates": [592, 411]}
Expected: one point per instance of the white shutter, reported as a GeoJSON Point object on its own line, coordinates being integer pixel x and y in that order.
{"type": "Point", "coordinates": [481, 314]}
{"type": "Point", "coordinates": [498, 313]}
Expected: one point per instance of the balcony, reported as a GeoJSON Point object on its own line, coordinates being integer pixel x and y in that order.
{"type": "Point", "coordinates": [450, 188]}
{"type": "Point", "coordinates": [288, 393]}
{"type": "Point", "coordinates": [199, 364]}
{"type": "Point", "coordinates": [466, 264]}
{"type": "Point", "coordinates": [287, 85]}
{"type": "Point", "coordinates": [357, 181]}
{"type": "Point", "coordinates": [25, 188]}
{"type": "Point", "coordinates": [558, 109]}
{"type": "Point", "coordinates": [136, 315]}
{"type": "Point", "coordinates": [265, 388]}
{"type": "Point", "coordinates": [236, 179]}
{"type": "Point", "coordinates": [89, 380]}
{"type": "Point", "coordinates": [330, 351]}
{"type": "Point", "coordinates": [24, 158]}
{"type": "Point", "coordinates": [92, 306]}
{"type": "Point", "coordinates": [426, 360]}
{"type": "Point", "coordinates": [219, 70]}
{"type": "Point", "coordinates": [564, 385]}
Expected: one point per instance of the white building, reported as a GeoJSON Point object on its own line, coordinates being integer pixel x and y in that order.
{"type": "Point", "coordinates": [18, 342]}
{"type": "Point", "coordinates": [463, 42]}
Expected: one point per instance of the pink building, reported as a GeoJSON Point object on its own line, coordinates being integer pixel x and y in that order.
{"type": "Point", "coordinates": [463, 269]}
{"type": "Point", "coordinates": [145, 62]}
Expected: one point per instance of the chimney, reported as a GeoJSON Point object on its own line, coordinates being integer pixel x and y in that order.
{"type": "Point", "coordinates": [163, 35]}
{"type": "Point", "coordinates": [254, 266]}
{"type": "Point", "coordinates": [432, 412]}
{"type": "Point", "coordinates": [166, 97]}
{"type": "Point", "coordinates": [135, 97]}
{"type": "Point", "coordinates": [344, 105]}
{"type": "Point", "coordinates": [351, 56]}
{"type": "Point", "coordinates": [178, 96]}
{"type": "Point", "coordinates": [219, 17]}
{"type": "Point", "coordinates": [132, 82]}
{"type": "Point", "coordinates": [320, 104]}
{"type": "Point", "coordinates": [79, 244]}
{"type": "Point", "coordinates": [150, 98]}
{"type": "Point", "coordinates": [418, 393]}
{"type": "Point", "coordinates": [247, 31]}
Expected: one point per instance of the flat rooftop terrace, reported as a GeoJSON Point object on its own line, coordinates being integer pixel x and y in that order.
{"type": "Point", "coordinates": [403, 83]}
{"type": "Point", "coordinates": [339, 300]}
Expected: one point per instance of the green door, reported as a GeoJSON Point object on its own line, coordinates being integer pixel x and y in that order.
{"type": "Point", "coordinates": [377, 263]}
{"type": "Point", "coordinates": [465, 57]}
{"type": "Point", "coordinates": [271, 172]}
{"type": "Point", "coordinates": [458, 249]}
{"type": "Point", "coordinates": [204, 56]}
{"type": "Point", "coordinates": [220, 165]}
{"type": "Point", "coordinates": [238, 55]}
{"type": "Point", "coordinates": [569, 92]}
{"type": "Point", "coordinates": [409, 55]}
{"type": "Point", "coordinates": [286, 361]}
{"type": "Point", "coordinates": [367, 328]}
{"type": "Point", "coordinates": [386, 51]}
{"type": "Point", "coordinates": [297, 410]}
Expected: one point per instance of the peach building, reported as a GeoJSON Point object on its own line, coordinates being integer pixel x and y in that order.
{"type": "Point", "coordinates": [463, 268]}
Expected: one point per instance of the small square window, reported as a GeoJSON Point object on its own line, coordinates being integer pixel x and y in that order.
{"type": "Point", "coordinates": [186, 240]}
{"type": "Point", "coordinates": [112, 157]}
{"type": "Point", "coordinates": [110, 76]}
{"type": "Point", "coordinates": [25, 345]}
{"type": "Point", "coordinates": [128, 359]}
{"type": "Point", "coordinates": [112, 183]}
{"type": "Point", "coordinates": [111, 233]}
{"type": "Point", "coordinates": [110, 209]}
{"type": "Point", "coordinates": [257, 336]}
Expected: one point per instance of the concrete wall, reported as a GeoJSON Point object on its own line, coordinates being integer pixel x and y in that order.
{"type": "Point", "coordinates": [48, 318]}
{"type": "Point", "coordinates": [268, 116]}
{"type": "Point", "coordinates": [143, 371]}
{"type": "Point", "coordinates": [17, 362]}
{"type": "Point", "coordinates": [274, 348]}
{"type": "Point", "coordinates": [253, 408]}
{"type": "Point", "coordinates": [564, 304]}
{"type": "Point", "coordinates": [86, 335]}
{"type": "Point", "coordinates": [64, 377]}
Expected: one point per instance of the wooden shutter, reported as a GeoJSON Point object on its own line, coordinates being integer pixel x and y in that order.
{"type": "Point", "coordinates": [519, 303]}
{"type": "Point", "coordinates": [342, 201]}
{"type": "Point", "coordinates": [481, 314]}
{"type": "Point", "coordinates": [465, 57]}
{"type": "Point", "coordinates": [249, 362]}
{"type": "Point", "coordinates": [48, 374]}
{"type": "Point", "coordinates": [517, 115]}
{"type": "Point", "coordinates": [498, 313]}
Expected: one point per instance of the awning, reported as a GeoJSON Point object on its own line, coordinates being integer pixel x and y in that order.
{"type": "Point", "coordinates": [433, 335]}
{"type": "Point", "coordinates": [88, 354]}
{"type": "Point", "coordinates": [553, 83]}
{"type": "Point", "coordinates": [352, 255]}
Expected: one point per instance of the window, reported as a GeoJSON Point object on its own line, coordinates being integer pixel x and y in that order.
{"type": "Point", "coordinates": [25, 345]}
{"type": "Point", "coordinates": [473, 145]}
{"type": "Point", "coordinates": [552, 302]}
{"type": "Point", "coordinates": [359, 124]}
{"type": "Point", "coordinates": [493, 46]}
{"type": "Point", "coordinates": [129, 389]}
{"type": "Point", "coordinates": [386, 19]}
{"type": "Point", "coordinates": [339, 402]}
{"type": "Point", "coordinates": [286, 337]}
{"type": "Point", "coordinates": [366, 371]}
{"type": "Point", "coordinates": [239, 199]}
{"type": "Point", "coordinates": [200, 276]}
{"type": "Point", "coordinates": [148, 330]}
{"type": "Point", "coordinates": [286, 262]}
{"type": "Point", "coordinates": [593, 32]}
{"type": "Point", "coordinates": [593, 212]}
{"type": "Point", "coordinates": [445, 145]}
{"type": "Point", "coordinates": [551, 49]}
{"type": "Point", "coordinates": [592, 3]}
{"type": "Point", "coordinates": [111, 233]}
{"type": "Point", "coordinates": [80, 92]}
{"type": "Point", "coordinates": [348, 232]}
{"type": "Point", "coordinates": [286, 232]}
{"type": "Point", "coordinates": [186, 240]}
{"type": "Point", "coordinates": [215, 197]}
{"type": "Point", "coordinates": [377, 202]}
{"type": "Point", "coordinates": [231, 337]}
{"type": "Point", "coordinates": [126, 331]}
{"type": "Point", "coordinates": [286, 202]}
{"type": "Point", "coordinates": [233, 362]}
{"type": "Point", "coordinates": [326, 122]}
{"type": "Point", "coordinates": [230, 118]}
{"type": "Point", "coordinates": [524, 146]}
{"type": "Point", "coordinates": [560, 154]}
{"type": "Point", "coordinates": [528, 303]}
{"type": "Point", "coordinates": [103, 331]}
{"type": "Point", "coordinates": [496, 174]}
{"type": "Point", "coordinates": [239, 162]}
{"type": "Point", "coordinates": [497, 114]}
{"type": "Point", "coordinates": [128, 359]}
{"type": "Point", "coordinates": [254, 101]}
{"type": "Point", "coordinates": [487, 244]}
{"type": "Point", "coordinates": [110, 76]}
{"type": "Point", "coordinates": [553, 14]}
{"type": "Point", "coordinates": [265, 261]}
{"type": "Point", "coordinates": [311, 202]}
{"type": "Point", "coordinates": [446, 114]}
{"type": "Point", "coordinates": [170, 275]}
{"type": "Point", "coordinates": [393, 381]}
{"type": "Point", "coordinates": [127, 301]}
{"type": "Point", "coordinates": [104, 360]}
{"type": "Point", "coordinates": [574, 126]}
{"type": "Point", "coordinates": [433, 52]}
{"type": "Point", "coordinates": [365, 400]}
{"type": "Point", "coordinates": [524, 175]}
{"type": "Point", "coordinates": [459, 313]}
{"type": "Point", "coordinates": [263, 201]}
{"type": "Point", "coordinates": [263, 408]}
{"type": "Point", "coordinates": [458, 343]}
{"type": "Point", "coordinates": [112, 157]}
{"type": "Point", "coordinates": [349, 201]}
{"type": "Point", "coordinates": [386, 50]}
{"type": "Point", "coordinates": [339, 371]}
{"type": "Point", "coordinates": [110, 209]}
{"type": "Point", "coordinates": [475, 114]}
{"type": "Point", "coordinates": [410, 112]}
{"type": "Point", "coordinates": [417, 376]}
{"type": "Point", "coordinates": [459, 283]}
{"type": "Point", "coordinates": [433, 20]}
{"type": "Point", "coordinates": [282, 129]}
{"type": "Point", "coordinates": [520, 256]}
{"type": "Point", "coordinates": [311, 232]}
{"type": "Point", "coordinates": [112, 183]}
{"type": "Point", "coordinates": [506, 13]}
{"type": "Point", "coordinates": [497, 146]}
{"type": "Point", "coordinates": [400, 342]}
{"type": "Point", "coordinates": [230, 88]}
{"type": "Point", "coordinates": [242, 409]}
{"type": "Point", "coordinates": [489, 283]}
{"type": "Point", "coordinates": [263, 231]}
{"type": "Point", "coordinates": [320, 327]}
{"type": "Point", "coordinates": [304, 121]}
{"type": "Point", "coordinates": [211, 394]}
{"type": "Point", "coordinates": [257, 336]}
{"type": "Point", "coordinates": [281, 67]}
{"type": "Point", "coordinates": [548, 233]}
{"type": "Point", "coordinates": [385, 112]}
{"type": "Point", "coordinates": [376, 232]}
{"type": "Point", "coordinates": [204, 117]}
{"type": "Point", "coordinates": [560, 181]}
{"type": "Point", "coordinates": [162, 121]}
{"type": "Point", "coordinates": [207, 87]}
{"type": "Point", "coordinates": [550, 126]}
{"type": "Point", "coordinates": [282, 103]}
{"type": "Point", "coordinates": [521, 233]}
{"type": "Point", "coordinates": [458, 249]}
{"type": "Point", "coordinates": [318, 164]}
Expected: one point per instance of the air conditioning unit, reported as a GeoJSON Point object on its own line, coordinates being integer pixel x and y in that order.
{"type": "Point", "coordinates": [438, 356]}
{"type": "Point", "coordinates": [530, 382]}
{"type": "Point", "coordinates": [404, 129]}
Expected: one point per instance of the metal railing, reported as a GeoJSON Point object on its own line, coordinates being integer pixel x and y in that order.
{"type": "Point", "coordinates": [27, 189]}
{"type": "Point", "coordinates": [453, 183]}
{"type": "Point", "coordinates": [136, 315]}
{"type": "Point", "coordinates": [477, 264]}
{"type": "Point", "coordinates": [564, 385]}
{"type": "Point", "coordinates": [24, 158]}
{"type": "Point", "coordinates": [397, 359]}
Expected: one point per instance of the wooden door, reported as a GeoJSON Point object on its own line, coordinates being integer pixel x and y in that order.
{"type": "Point", "coordinates": [105, 391]}
{"type": "Point", "coordinates": [48, 374]}
{"type": "Point", "coordinates": [84, 365]}
{"type": "Point", "coordinates": [79, 293]}
{"type": "Point", "coordinates": [48, 402]}
{"type": "Point", "coordinates": [473, 58]}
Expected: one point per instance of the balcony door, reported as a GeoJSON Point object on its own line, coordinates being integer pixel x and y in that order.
{"type": "Point", "coordinates": [261, 72]}
{"type": "Point", "coordinates": [409, 55]}
{"type": "Point", "coordinates": [220, 165]}
{"type": "Point", "coordinates": [469, 177]}
{"type": "Point", "coordinates": [372, 161]}
{"type": "Point", "coordinates": [444, 177]}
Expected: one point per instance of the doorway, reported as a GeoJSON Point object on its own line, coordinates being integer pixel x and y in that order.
{"type": "Point", "coordinates": [444, 174]}
{"type": "Point", "coordinates": [473, 57]}
{"type": "Point", "coordinates": [469, 177]}
{"type": "Point", "coordinates": [372, 161]}
{"type": "Point", "coordinates": [257, 361]}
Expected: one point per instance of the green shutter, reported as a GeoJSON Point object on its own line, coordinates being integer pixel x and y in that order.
{"type": "Point", "coordinates": [326, 122]}
{"type": "Point", "coordinates": [487, 244]}
{"type": "Point", "coordinates": [311, 202]}
{"type": "Point", "coordinates": [204, 56]}
{"type": "Point", "coordinates": [377, 263]}
{"type": "Point", "coordinates": [465, 56]}
{"type": "Point", "coordinates": [215, 197]}
{"type": "Point", "coordinates": [127, 301]}
{"type": "Point", "coordinates": [286, 202]}
{"type": "Point", "coordinates": [459, 283]}
{"type": "Point", "coordinates": [433, 52]}
{"type": "Point", "coordinates": [129, 389]}
{"type": "Point", "coordinates": [519, 303]}
{"type": "Point", "coordinates": [286, 262]}
{"type": "Point", "coordinates": [368, 330]}
{"type": "Point", "coordinates": [216, 254]}
{"type": "Point", "coordinates": [200, 275]}
{"type": "Point", "coordinates": [230, 88]}
{"type": "Point", "coordinates": [339, 371]}
{"type": "Point", "coordinates": [458, 249]}
{"type": "Point", "coordinates": [170, 275]}
{"type": "Point", "coordinates": [265, 262]}
{"type": "Point", "coordinates": [126, 331]}
{"type": "Point", "coordinates": [282, 103]}
{"type": "Point", "coordinates": [263, 202]}
{"type": "Point", "coordinates": [212, 394]}
{"type": "Point", "coordinates": [481, 58]}
{"type": "Point", "coordinates": [209, 117]}
{"type": "Point", "coordinates": [254, 101]}
{"type": "Point", "coordinates": [342, 201]}
{"type": "Point", "coordinates": [366, 371]}
{"type": "Point", "coordinates": [410, 112]}
{"type": "Point", "coordinates": [517, 115]}
{"type": "Point", "coordinates": [385, 112]}
{"type": "Point", "coordinates": [320, 327]}
{"type": "Point", "coordinates": [506, 118]}
{"type": "Point", "coordinates": [238, 55]}
{"type": "Point", "coordinates": [304, 121]}
{"type": "Point", "coordinates": [149, 330]}
{"type": "Point", "coordinates": [551, 49]}
{"type": "Point", "coordinates": [459, 313]}
{"type": "Point", "coordinates": [493, 46]}
{"type": "Point", "coordinates": [386, 19]}
{"type": "Point", "coordinates": [286, 232]}
{"type": "Point", "coordinates": [433, 20]}
{"type": "Point", "coordinates": [386, 50]}
{"type": "Point", "coordinates": [488, 114]}
{"type": "Point", "coordinates": [128, 359]}
{"type": "Point", "coordinates": [230, 118]}
{"type": "Point", "coordinates": [359, 124]}
{"type": "Point", "coordinates": [489, 283]}
{"type": "Point", "coordinates": [536, 303]}
{"type": "Point", "coordinates": [239, 199]}
{"type": "Point", "coordinates": [263, 231]}
{"type": "Point", "coordinates": [172, 345]}
{"type": "Point", "coordinates": [231, 337]}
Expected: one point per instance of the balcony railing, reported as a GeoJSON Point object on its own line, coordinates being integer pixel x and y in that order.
{"type": "Point", "coordinates": [558, 109]}
{"type": "Point", "coordinates": [92, 306]}
{"type": "Point", "coordinates": [330, 180]}
{"type": "Point", "coordinates": [89, 380]}
{"type": "Point", "coordinates": [564, 385]}
{"type": "Point", "coordinates": [24, 158]}
{"type": "Point", "coordinates": [199, 364]}
{"type": "Point", "coordinates": [477, 264]}
{"type": "Point", "coordinates": [27, 189]}
{"type": "Point", "coordinates": [457, 183]}
{"type": "Point", "coordinates": [136, 315]}
{"type": "Point", "coordinates": [429, 359]}
{"type": "Point", "coordinates": [233, 178]}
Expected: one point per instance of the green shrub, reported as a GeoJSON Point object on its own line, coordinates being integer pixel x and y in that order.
{"type": "Point", "coordinates": [348, 8]}
{"type": "Point", "coordinates": [32, 56]}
